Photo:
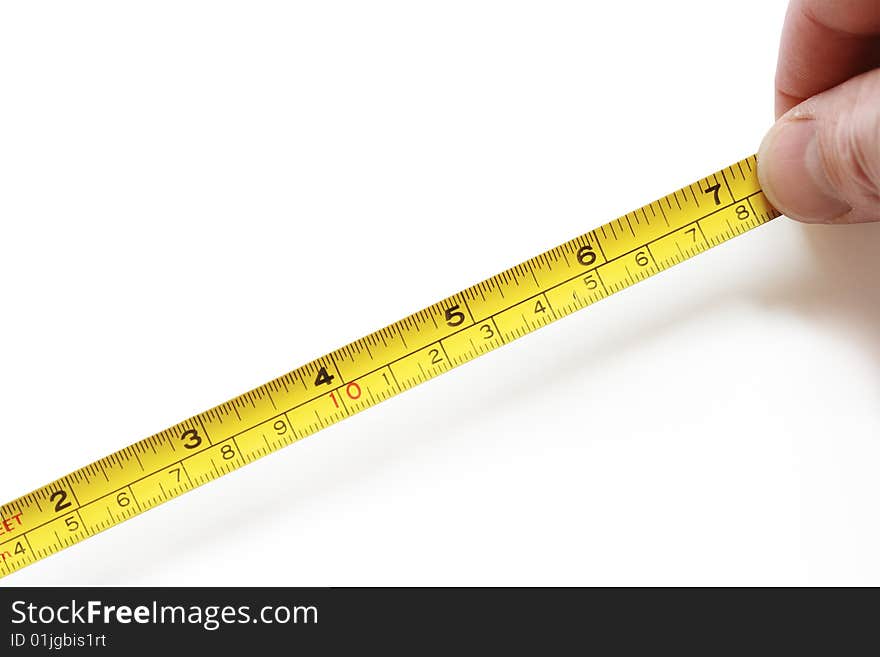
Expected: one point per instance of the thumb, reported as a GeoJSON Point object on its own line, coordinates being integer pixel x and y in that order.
{"type": "Point", "coordinates": [821, 161]}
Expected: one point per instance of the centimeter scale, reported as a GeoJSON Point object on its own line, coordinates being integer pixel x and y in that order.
{"type": "Point", "coordinates": [380, 365]}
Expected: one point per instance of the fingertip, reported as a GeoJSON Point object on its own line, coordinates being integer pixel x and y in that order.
{"type": "Point", "coordinates": [791, 174]}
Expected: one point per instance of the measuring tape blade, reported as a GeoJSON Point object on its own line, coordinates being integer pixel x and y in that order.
{"type": "Point", "coordinates": [382, 364]}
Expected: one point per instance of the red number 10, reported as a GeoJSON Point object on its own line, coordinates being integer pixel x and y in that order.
{"type": "Point", "coordinates": [353, 390]}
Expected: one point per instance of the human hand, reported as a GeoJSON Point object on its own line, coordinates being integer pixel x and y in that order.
{"type": "Point", "coordinates": [821, 161]}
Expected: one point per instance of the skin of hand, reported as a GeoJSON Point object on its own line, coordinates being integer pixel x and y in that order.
{"type": "Point", "coordinates": [820, 162]}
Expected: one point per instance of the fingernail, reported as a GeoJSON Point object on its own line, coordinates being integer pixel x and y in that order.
{"type": "Point", "coordinates": [792, 175]}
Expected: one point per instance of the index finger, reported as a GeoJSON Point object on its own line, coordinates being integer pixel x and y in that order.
{"type": "Point", "coordinates": [825, 43]}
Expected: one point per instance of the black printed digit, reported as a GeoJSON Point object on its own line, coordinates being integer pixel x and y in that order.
{"type": "Point", "coordinates": [60, 499]}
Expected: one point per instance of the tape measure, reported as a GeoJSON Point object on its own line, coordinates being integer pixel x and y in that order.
{"type": "Point", "coordinates": [382, 364]}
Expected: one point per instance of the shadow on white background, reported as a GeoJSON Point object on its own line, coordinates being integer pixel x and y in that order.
{"type": "Point", "coordinates": [840, 287]}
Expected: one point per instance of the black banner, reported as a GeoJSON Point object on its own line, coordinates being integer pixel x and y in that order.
{"type": "Point", "coordinates": [114, 621]}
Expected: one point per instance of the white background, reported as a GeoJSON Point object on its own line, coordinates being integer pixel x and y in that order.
{"type": "Point", "coordinates": [197, 197]}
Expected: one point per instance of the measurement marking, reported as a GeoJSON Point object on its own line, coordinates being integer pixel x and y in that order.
{"type": "Point", "coordinates": [727, 184]}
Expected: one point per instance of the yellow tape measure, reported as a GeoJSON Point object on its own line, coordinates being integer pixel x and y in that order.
{"type": "Point", "coordinates": [382, 364]}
